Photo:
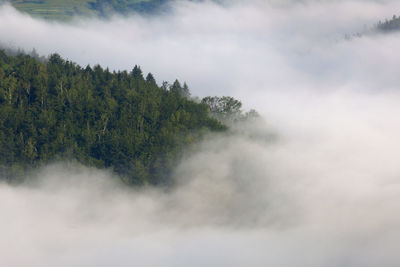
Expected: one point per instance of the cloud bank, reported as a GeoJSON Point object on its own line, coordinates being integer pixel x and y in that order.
{"type": "Point", "coordinates": [317, 184]}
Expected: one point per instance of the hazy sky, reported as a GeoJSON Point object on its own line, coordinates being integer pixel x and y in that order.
{"type": "Point", "coordinates": [316, 184]}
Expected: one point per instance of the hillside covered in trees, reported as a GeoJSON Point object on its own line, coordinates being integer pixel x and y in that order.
{"type": "Point", "coordinates": [60, 9]}
{"type": "Point", "coordinates": [54, 110]}
{"type": "Point", "coordinates": [389, 25]}
{"type": "Point", "coordinates": [386, 27]}
{"type": "Point", "coordinates": [103, 7]}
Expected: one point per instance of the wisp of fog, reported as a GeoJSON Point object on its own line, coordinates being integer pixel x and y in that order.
{"type": "Point", "coordinates": [316, 182]}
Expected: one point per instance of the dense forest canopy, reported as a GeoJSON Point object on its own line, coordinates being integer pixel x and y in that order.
{"type": "Point", "coordinates": [54, 109]}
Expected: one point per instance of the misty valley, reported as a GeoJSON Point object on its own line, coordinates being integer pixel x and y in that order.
{"type": "Point", "coordinates": [199, 133]}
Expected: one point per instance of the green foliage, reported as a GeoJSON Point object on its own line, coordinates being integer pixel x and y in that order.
{"type": "Point", "coordinates": [54, 9]}
{"type": "Point", "coordinates": [58, 110]}
{"type": "Point", "coordinates": [227, 109]}
{"type": "Point", "coordinates": [64, 10]}
{"type": "Point", "coordinates": [179, 90]}
{"type": "Point", "coordinates": [104, 7]}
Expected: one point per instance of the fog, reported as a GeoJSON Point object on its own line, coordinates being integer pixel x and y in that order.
{"type": "Point", "coordinates": [314, 183]}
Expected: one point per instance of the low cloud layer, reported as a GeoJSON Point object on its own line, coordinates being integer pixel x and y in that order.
{"type": "Point", "coordinates": [316, 184]}
{"type": "Point", "coordinates": [314, 199]}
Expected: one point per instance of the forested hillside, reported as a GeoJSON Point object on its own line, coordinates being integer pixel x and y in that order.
{"type": "Point", "coordinates": [55, 110]}
{"type": "Point", "coordinates": [60, 9]}
{"type": "Point", "coordinates": [389, 25]}
{"type": "Point", "coordinates": [103, 7]}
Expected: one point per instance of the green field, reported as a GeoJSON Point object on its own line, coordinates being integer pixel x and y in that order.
{"type": "Point", "coordinates": [66, 9]}
{"type": "Point", "coordinates": [54, 9]}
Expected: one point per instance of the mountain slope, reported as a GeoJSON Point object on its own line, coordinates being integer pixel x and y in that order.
{"type": "Point", "coordinates": [57, 110]}
{"type": "Point", "coordinates": [65, 9]}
